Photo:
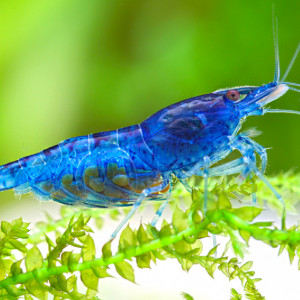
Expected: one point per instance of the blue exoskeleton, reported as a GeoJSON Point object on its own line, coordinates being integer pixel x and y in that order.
{"type": "Point", "coordinates": [127, 166]}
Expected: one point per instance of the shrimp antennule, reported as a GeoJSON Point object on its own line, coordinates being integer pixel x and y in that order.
{"type": "Point", "coordinates": [291, 64]}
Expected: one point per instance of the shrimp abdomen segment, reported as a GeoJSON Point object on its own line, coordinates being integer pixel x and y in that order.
{"type": "Point", "coordinates": [29, 170]}
{"type": "Point", "coordinates": [11, 175]}
{"type": "Point", "coordinates": [104, 170]}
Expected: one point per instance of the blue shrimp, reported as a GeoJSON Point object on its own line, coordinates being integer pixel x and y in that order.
{"type": "Point", "coordinates": [127, 166]}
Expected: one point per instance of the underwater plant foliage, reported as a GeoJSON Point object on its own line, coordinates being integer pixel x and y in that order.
{"type": "Point", "coordinates": [69, 261]}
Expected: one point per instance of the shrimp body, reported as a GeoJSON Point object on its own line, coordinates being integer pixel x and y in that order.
{"type": "Point", "coordinates": [103, 170]}
{"type": "Point", "coordinates": [131, 164]}
{"type": "Point", "coordinates": [112, 168]}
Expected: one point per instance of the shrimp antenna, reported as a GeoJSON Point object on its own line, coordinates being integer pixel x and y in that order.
{"type": "Point", "coordinates": [275, 38]}
{"type": "Point", "coordinates": [291, 64]}
{"type": "Point", "coordinates": [285, 111]}
{"type": "Point", "coordinates": [291, 83]}
{"type": "Point", "coordinates": [294, 89]}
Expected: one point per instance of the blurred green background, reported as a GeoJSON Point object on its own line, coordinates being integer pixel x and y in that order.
{"type": "Point", "coordinates": [70, 68]}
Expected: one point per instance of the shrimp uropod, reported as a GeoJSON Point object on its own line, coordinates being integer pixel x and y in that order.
{"type": "Point", "coordinates": [130, 165]}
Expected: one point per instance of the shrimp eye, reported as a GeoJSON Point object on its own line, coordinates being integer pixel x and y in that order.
{"type": "Point", "coordinates": [233, 95]}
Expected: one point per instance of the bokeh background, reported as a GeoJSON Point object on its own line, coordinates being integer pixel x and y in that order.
{"type": "Point", "coordinates": [70, 68]}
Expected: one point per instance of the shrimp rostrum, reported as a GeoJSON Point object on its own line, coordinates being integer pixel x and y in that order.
{"type": "Point", "coordinates": [130, 165]}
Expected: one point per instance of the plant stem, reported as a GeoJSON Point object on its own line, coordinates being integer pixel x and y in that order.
{"type": "Point", "coordinates": [263, 234]}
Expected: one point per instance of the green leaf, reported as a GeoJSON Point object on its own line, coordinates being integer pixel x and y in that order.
{"type": "Point", "coordinates": [179, 220]}
{"type": "Point", "coordinates": [88, 252]}
{"type": "Point", "coordinates": [251, 273]}
{"type": "Point", "coordinates": [14, 292]}
{"type": "Point", "coordinates": [182, 247]}
{"type": "Point", "coordinates": [53, 283]}
{"type": "Point", "coordinates": [127, 238]}
{"type": "Point", "coordinates": [248, 187]}
{"type": "Point", "coordinates": [62, 282]}
{"type": "Point", "coordinates": [36, 289]}
{"type": "Point", "coordinates": [157, 254]}
{"type": "Point", "coordinates": [212, 251]}
{"type": "Point", "coordinates": [89, 279]}
{"type": "Point", "coordinates": [65, 258]}
{"type": "Point", "coordinates": [247, 266]}
{"type": "Point", "coordinates": [2, 270]}
{"type": "Point", "coordinates": [186, 264]}
{"type": "Point", "coordinates": [196, 195]}
{"type": "Point", "coordinates": [202, 234]}
{"type": "Point", "coordinates": [49, 242]}
{"type": "Point", "coordinates": [33, 259]}
{"type": "Point", "coordinates": [263, 224]}
{"type": "Point", "coordinates": [233, 274]}
{"type": "Point", "coordinates": [17, 223]}
{"type": "Point", "coordinates": [106, 250]}
{"type": "Point", "coordinates": [223, 201]}
{"type": "Point", "coordinates": [142, 236]}
{"type": "Point", "coordinates": [18, 245]}
{"type": "Point", "coordinates": [65, 211]}
{"type": "Point", "coordinates": [79, 223]}
{"type": "Point", "coordinates": [91, 294]}
{"type": "Point", "coordinates": [71, 283]}
{"type": "Point", "coordinates": [187, 296]}
{"type": "Point", "coordinates": [143, 261]}
{"type": "Point", "coordinates": [291, 253]}
{"type": "Point", "coordinates": [196, 217]}
{"type": "Point", "coordinates": [245, 235]}
{"type": "Point", "coordinates": [5, 227]}
{"type": "Point", "coordinates": [73, 260]}
{"type": "Point", "coordinates": [99, 222]}
{"type": "Point", "coordinates": [247, 213]}
{"type": "Point", "coordinates": [235, 295]}
{"type": "Point", "coordinates": [233, 260]}
{"type": "Point", "coordinates": [166, 230]}
{"type": "Point", "coordinates": [16, 268]}
{"type": "Point", "coordinates": [114, 214]}
{"type": "Point", "coordinates": [238, 248]}
{"type": "Point", "coordinates": [7, 263]}
{"type": "Point", "coordinates": [87, 228]}
{"type": "Point", "coordinates": [194, 251]}
{"type": "Point", "coordinates": [125, 270]}
{"type": "Point", "coordinates": [100, 271]}
{"type": "Point", "coordinates": [78, 233]}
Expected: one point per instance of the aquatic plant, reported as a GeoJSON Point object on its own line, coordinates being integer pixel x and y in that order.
{"type": "Point", "coordinates": [27, 270]}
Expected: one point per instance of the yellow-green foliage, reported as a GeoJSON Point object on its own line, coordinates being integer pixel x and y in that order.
{"type": "Point", "coordinates": [26, 270]}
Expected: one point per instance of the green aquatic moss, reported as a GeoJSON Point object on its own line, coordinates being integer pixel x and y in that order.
{"type": "Point", "coordinates": [27, 270]}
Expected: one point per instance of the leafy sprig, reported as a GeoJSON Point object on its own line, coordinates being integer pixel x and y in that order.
{"type": "Point", "coordinates": [26, 270]}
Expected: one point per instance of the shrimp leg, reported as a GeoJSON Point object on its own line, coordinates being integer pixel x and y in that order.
{"type": "Point", "coordinates": [242, 144]}
{"type": "Point", "coordinates": [205, 175]}
{"type": "Point", "coordinates": [138, 203]}
{"type": "Point", "coordinates": [130, 214]}
{"type": "Point", "coordinates": [260, 150]}
{"type": "Point", "coordinates": [159, 211]}
{"type": "Point", "coordinates": [206, 160]}
{"type": "Point", "coordinates": [233, 167]}
{"type": "Point", "coordinates": [236, 166]}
